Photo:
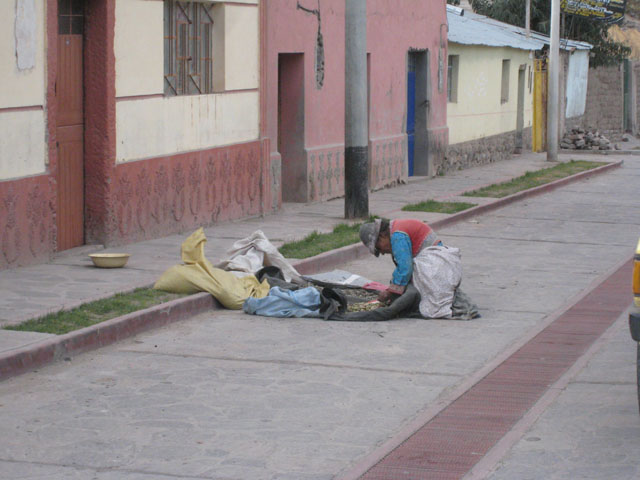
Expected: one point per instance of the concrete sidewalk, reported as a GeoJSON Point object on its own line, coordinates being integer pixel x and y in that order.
{"type": "Point", "coordinates": [71, 279]}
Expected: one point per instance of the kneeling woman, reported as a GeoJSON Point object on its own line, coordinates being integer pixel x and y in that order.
{"type": "Point", "coordinates": [421, 258]}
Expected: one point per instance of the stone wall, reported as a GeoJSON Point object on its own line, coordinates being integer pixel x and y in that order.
{"type": "Point", "coordinates": [575, 122]}
{"type": "Point", "coordinates": [604, 110]}
{"type": "Point", "coordinates": [482, 151]}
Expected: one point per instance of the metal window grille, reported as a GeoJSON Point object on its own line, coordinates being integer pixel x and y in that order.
{"type": "Point", "coordinates": [188, 49]}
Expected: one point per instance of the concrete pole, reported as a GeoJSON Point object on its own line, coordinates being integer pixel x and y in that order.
{"type": "Point", "coordinates": [553, 102]}
{"type": "Point", "coordinates": [527, 21]}
{"type": "Point", "coordinates": [356, 135]}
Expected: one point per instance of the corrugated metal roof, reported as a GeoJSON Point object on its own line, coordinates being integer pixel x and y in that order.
{"type": "Point", "coordinates": [469, 28]}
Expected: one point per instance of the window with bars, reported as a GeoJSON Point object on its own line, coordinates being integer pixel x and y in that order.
{"type": "Point", "coordinates": [188, 47]}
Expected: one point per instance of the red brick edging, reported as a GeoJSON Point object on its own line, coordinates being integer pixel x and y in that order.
{"type": "Point", "coordinates": [455, 437]}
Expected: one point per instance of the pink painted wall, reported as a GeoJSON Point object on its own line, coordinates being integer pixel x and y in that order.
{"type": "Point", "coordinates": [393, 28]}
{"type": "Point", "coordinates": [291, 30]}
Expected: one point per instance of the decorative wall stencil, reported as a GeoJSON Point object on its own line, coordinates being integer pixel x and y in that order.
{"type": "Point", "coordinates": [387, 161]}
{"type": "Point", "coordinates": [178, 183]}
{"type": "Point", "coordinates": [11, 232]}
{"type": "Point", "coordinates": [160, 208]}
{"type": "Point", "coordinates": [150, 198]}
{"type": "Point", "coordinates": [27, 231]}
{"type": "Point", "coordinates": [195, 179]}
{"type": "Point", "coordinates": [325, 175]}
{"type": "Point", "coordinates": [189, 190]}
{"type": "Point", "coordinates": [212, 190]}
{"type": "Point", "coordinates": [36, 213]}
{"type": "Point", "coordinates": [143, 196]}
{"type": "Point", "coordinates": [125, 205]}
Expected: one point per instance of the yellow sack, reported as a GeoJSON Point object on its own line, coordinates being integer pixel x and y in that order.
{"type": "Point", "coordinates": [199, 275]}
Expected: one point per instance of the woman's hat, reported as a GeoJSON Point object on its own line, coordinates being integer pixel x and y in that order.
{"type": "Point", "coordinates": [369, 233]}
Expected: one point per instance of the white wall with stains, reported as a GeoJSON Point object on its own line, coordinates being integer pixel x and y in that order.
{"type": "Point", "coordinates": [22, 96]}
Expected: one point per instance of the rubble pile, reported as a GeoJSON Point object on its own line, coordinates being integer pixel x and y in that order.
{"type": "Point", "coordinates": [581, 139]}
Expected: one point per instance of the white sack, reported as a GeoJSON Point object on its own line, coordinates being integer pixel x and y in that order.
{"type": "Point", "coordinates": [252, 253]}
{"type": "Point", "coordinates": [437, 272]}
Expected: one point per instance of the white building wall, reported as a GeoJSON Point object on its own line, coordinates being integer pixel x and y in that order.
{"type": "Point", "coordinates": [139, 48]}
{"type": "Point", "coordinates": [242, 53]}
{"type": "Point", "coordinates": [165, 125]}
{"type": "Point", "coordinates": [22, 132]}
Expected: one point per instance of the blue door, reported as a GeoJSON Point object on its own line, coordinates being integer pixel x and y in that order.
{"type": "Point", "coordinates": [411, 112]}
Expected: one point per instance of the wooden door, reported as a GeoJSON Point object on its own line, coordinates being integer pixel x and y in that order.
{"type": "Point", "coordinates": [70, 124]}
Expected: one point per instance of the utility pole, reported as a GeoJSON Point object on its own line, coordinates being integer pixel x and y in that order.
{"type": "Point", "coordinates": [554, 84]}
{"type": "Point", "coordinates": [356, 135]}
{"type": "Point", "coordinates": [527, 21]}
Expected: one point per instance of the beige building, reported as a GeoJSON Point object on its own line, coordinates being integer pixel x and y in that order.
{"type": "Point", "coordinates": [126, 119]}
{"type": "Point", "coordinates": [489, 89]}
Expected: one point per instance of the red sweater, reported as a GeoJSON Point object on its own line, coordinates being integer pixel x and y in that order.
{"type": "Point", "coordinates": [418, 232]}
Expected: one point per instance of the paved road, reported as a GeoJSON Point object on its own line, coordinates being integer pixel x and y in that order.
{"type": "Point", "coordinates": [227, 396]}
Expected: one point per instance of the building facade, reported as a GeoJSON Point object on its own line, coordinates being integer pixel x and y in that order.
{"type": "Point", "coordinates": [125, 120]}
{"type": "Point", "coordinates": [304, 89]}
{"type": "Point", "coordinates": [490, 90]}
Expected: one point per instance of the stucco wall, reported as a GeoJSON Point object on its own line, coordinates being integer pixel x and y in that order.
{"type": "Point", "coordinates": [393, 28]}
{"type": "Point", "coordinates": [241, 56]}
{"type": "Point", "coordinates": [478, 111]}
{"type": "Point", "coordinates": [22, 142]}
{"type": "Point", "coordinates": [162, 126]}
{"type": "Point", "coordinates": [26, 87]}
{"type": "Point", "coordinates": [139, 47]}
{"type": "Point", "coordinates": [159, 125]}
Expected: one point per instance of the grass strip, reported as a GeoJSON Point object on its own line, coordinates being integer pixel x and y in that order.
{"type": "Point", "coordinates": [66, 321]}
{"type": "Point", "coordinates": [438, 207]}
{"type": "Point", "coordinates": [534, 179]}
{"type": "Point", "coordinates": [315, 243]}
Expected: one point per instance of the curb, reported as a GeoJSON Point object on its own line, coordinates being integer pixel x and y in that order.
{"type": "Point", "coordinates": [20, 360]}
{"type": "Point", "coordinates": [599, 152]}
{"type": "Point", "coordinates": [34, 355]}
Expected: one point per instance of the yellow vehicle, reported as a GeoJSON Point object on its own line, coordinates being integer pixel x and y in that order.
{"type": "Point", "coordinates": [634, 316]}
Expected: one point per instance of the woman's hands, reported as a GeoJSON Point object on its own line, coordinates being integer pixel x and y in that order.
{"type": "Point", "coordinates": [388, 295]}
{"type": "Point", "coordinates": [385, 297]}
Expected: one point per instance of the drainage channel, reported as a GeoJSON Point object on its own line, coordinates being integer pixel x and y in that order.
{"type": "Point", "coordinates": [450, 444]}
